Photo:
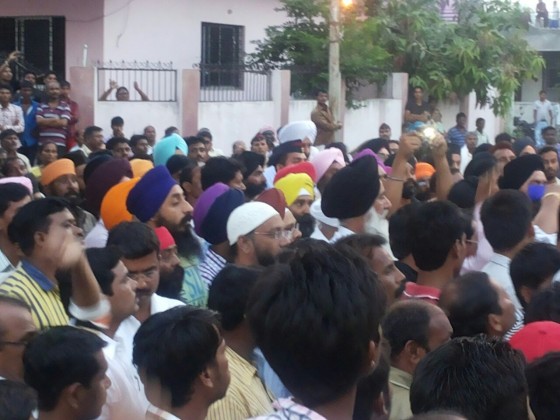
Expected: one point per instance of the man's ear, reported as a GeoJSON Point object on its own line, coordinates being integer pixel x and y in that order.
{"type": "Point", "coordinates": [495, 325]}
{"type": "Point", "coordinates": [244, 244]}
{"type": "Point", "coordinates": [187, 187]}
{"type": "Point", "coordinates": [72, 394]}
{"type": "Point", "coordinates": [414, 352]}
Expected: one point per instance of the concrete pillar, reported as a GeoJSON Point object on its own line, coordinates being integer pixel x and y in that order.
{"type": "Point", "coordinates": [281, 83]}
{"type": "Point", "coordinates": [84, 93]}
{"type": "Point", "coordinates": [190, 97]}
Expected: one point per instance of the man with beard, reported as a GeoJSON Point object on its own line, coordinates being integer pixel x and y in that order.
{"type": "Point", "coordinates": [350, 197]}
{"type": "Point", "coordinates": [297, 184]}
{"type": "Point", "coordinates": [253, 173]}
{"type": "Point", "coordinates": [140, 253]}
{"type": "Point", "coordinates": [174, 281]}
{"type": "Point", "coordinates": [59, 179]}
{"type": "Point", "coordinates": [158, 200]}
{"type": "Point", "coordinates": [549, 155]}
{"type": "Point", "coordinates": [256, 234]}
{"type": "Point", "coordinates": [210, 220]}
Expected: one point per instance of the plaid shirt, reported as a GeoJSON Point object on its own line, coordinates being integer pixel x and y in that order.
{"type": "Point", "coordinates": [287, 409]}
{"type": "Point", "coordinates": [11, 117]}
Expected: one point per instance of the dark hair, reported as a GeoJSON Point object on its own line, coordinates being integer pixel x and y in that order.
{"type": "Point", "coordinates": [175, 346]}
{"type": "Point", "coordinates": [11, 192]}
{"type": "Point", "coordinates": [114, 141]}
{"type": "Point", "coordinates": [58, 358]}
{"type": "Point", "coordinates": [370, 388]}
{"type": "Point", "coordinates": [543, 380]}
{"type": "Point", "coordinates": [219, 169]}
{"type": "Point", "coordinates": [319, 91]}
{"type": "Point", "coordinates": [467, 301]}
{"type": "Point", "coordinates": [460, 114]}
{"type": "Point", "coordinates": [229, 293]}
{"type": "Point", "coordinates": [136, 138]}
{"type": "Point", "coordinates": [17, 400]}
{"type": "Point", "coordinates": [375, 145]}
{"type": "Point", "coordinates": [6, 133]}
{"type": "Point", "coordinates": [91, 130]}
{"type": "Point", "coordinates": [77, 157]}
{"type": "Point", "coordinates": [502, 137]}
{"type": "Point", "coordinates": [102, 261]}
{"type": "Point", "coordinates": [544, 130]}
{"type": "Point", "coordinates": [65, 83]}
{"type": "Point", "coordinates": [192, 140]}
{"type": "Point", "coordinates": [31, 218]}
{"type": "Point", "coordinates": [479, 119]}
{"type": "Point", "coordinates": [5, 86]}
{"type": "Point", "coordinates": [449, 378]}
{"type": "Point", "coordinates": [532, 266]}
{"type": "Point", "coordinates": [170, 130]}
{"type": "Point", "coordinates": [26, 84]}
{"type": "Point", "coordinates": [506, 217]}
{"type": "Point", "coordinates": [544, 305]}
{"type": "Point", "coordinates": [318, 352]}
{"type": "Point", "coordinates": [437, 415]}
{"type": "Point", "coordinates": [186, 173]}
{"type": "Point", "coordinates": [399, 231]}
{"type": "Point", "coordinates": [405, 321]}
{"type": "Point", "coordinates": [434, 229]}
{"type": "Point", "coordinates": [176, 163]}
{"type": "Point", "coordinates": [134, 240]}
{"type": "Point", "coordinates": [48, 73]}
{"type": "Point", "coordinates": [547, 149]}
{"type": "Point", "coordinates": [384, 126]}
{"type": "Point", "coordinates": [258, 137]}
{"type": "Point", "coordinates": [363, 243]}
{"type": "Point", "coordinates": [117, 120]}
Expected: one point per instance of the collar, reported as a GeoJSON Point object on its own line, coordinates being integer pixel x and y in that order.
{"type": "Point", "coordinates": [418, 291]}
{"type": "Point", "coordinates": [323, 106]}
{"type": "Point", "coordinates": [290, 409]}
{"type": "Point", "coordinates": [500, 260]}
{"type": "Point", "coordinates": [37, 275]}
{"type": "Point", "coordinates": [400, 378]}
{"type": "Point", "coordinates": [236, 359]}
{"type": "Point", "coordinates": [159, 414]}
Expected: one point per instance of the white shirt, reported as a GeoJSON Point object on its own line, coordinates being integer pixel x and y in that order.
{"type": "Point", "coordinates": [482, 138]}
{"type": "Point", "coordinates": [97, 237]}
{"type": "Point", "coordinates": [498, 270]}
{"type": "Point", "coordinates": [543, 109]}
{"type": "Point", "coordinates": [125, 396]}
{"type": "Point", "coordinates": [6, 267]}
{"type": "Point", "coordinates": [269, 174]}
{"type": "Point", "coordinates": [130, 325]}
{"type": "Point", "coordinates": [342, 232]}
{"type": "Point", "coordinates": [466, 157]}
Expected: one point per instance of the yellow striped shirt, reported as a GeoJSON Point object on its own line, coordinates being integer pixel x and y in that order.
{"type": "Point", "coordinates": [31, 286]}
{"type": "Point", "coordinates": [246, 396]}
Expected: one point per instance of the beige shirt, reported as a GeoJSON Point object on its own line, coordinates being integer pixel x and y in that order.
{"type": "Point", "coordinates": [246, 396]}
{"type": "Point", "coordinates": [400, 382]}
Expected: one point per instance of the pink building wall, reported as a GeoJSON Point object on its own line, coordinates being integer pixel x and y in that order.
{"type": "Point", "coordinates": [84, 24]}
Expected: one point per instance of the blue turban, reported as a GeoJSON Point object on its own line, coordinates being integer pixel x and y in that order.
{"type": "Point", "coordinates": [166, 147]}
{"type": "Point", "coordinates": [148, 195]}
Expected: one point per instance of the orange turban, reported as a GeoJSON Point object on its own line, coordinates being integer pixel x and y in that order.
{"type": "Point", "coordinates": [424, 170]}
{"type": "Point", "coordinates": [57, 169]}
{"type": "Point", "coordinates": [140, 167]}
{"type": "Point", "coordinates": [113, 206]}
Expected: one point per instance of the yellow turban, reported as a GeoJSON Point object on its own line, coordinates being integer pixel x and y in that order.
{"type": "Point", "coordinates": [113, 206]}
{"type": "Point", "coordinates": [294, 186]}
{"type": "Point", "coordinates": [57, 169]}
{"type": "Point", "coordinates": [140, 167]}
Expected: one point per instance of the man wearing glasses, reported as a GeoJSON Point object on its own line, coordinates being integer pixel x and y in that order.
{"type": "Point", "coordinates": [16, 330]}
{"type": "Point", "coordinates": [256, 233]}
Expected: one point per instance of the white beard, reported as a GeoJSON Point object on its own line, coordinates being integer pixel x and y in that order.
{"type": "Point", "coordinates": [377, 224]}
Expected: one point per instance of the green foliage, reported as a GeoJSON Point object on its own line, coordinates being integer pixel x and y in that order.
{"type": "Point", "coordinates": [485, 51]}
{"type": "Point", "coordinates": [302, 45]}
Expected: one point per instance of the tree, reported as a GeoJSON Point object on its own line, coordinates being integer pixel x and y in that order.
{"type": "Point", "coordinates": [302, 45]}
{"type": "Point", "coordinates": [484, 49]}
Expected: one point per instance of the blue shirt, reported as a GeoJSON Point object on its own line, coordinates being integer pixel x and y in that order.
{"type": "Point", "coordinates": [30, 123]}
{"type": "Point", "coordinates": [457, 136]}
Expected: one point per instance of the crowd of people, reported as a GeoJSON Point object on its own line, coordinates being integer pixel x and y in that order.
{"type": "Point", "coordinates": [156, 278]}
